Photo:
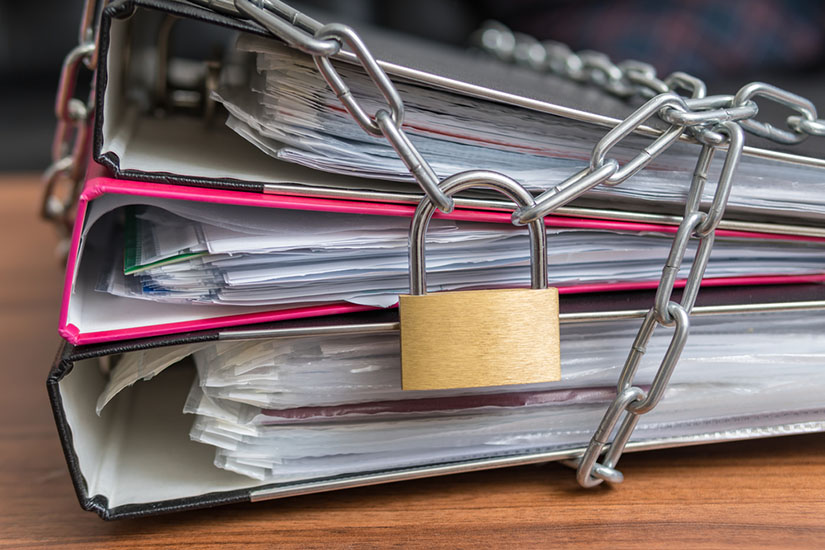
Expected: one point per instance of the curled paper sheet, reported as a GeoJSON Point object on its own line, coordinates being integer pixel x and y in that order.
{"type": "Point", "coordinates": [141, 365]}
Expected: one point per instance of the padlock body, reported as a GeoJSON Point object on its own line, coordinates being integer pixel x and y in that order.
{"type": "Point", "coordinates": [477, 338]}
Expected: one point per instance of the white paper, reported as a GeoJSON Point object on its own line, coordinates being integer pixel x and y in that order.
{"type": "Point", "coordinates": [285, 258]}
{"type": "Point", "coordinates": [289, 112]}
{"type": "Point", "coordinates": [737, 372]}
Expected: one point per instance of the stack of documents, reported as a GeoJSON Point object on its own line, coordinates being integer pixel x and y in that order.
{"type": "Point", "coordinates": [239, 255]}
{"type": "Point", "coordinates": [302, 408]}
{"type": "Point", "coordinates": [290, 113]}
{"type": "Point", "coordinates": [230, 289]}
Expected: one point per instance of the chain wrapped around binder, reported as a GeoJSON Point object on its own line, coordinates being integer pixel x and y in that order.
{"type": "Point", "coordinates": [70, 147]}
{"type": "Point", "coordinates": [716, 122]}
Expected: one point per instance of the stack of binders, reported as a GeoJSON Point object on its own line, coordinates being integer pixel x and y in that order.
{"type": "Point", "coordinates": [240, 244]}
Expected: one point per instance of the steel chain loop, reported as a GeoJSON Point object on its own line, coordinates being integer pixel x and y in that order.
{"type": "Point", "coordinates": [63, 178]}
{"type": "Point", "coordinates": [290, 25]}
{"type": "Point", "coordinates": [665, 312]}
{"type": "Point", "coordinates": [803, 125]}
{"type": "Point", "coordinates": [345, 35]}
{"type": "Point", "coordinates": [783, 97]}
{"type": "Point", "coordinates": [384, 123]}
{"type": "Point", "coordinates": [628, 126]}
{"type": "Point", "coordinates": [596, 173]}
{"type": "Point", "coordinates": [640, 79]}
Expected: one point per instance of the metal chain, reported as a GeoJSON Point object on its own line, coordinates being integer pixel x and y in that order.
{"type": "Point", "coordinates": [323, 41]}
{"type": "Point", "coordinates": [632, 401]}
{"type": "Point", "coordinates": [63, 178]}
{"type": "Point", "coordinates": [636, 78]}
{"type": "Point", "coordinates": [716, 122]}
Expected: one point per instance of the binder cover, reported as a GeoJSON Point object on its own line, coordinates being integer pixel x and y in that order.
{"type": "Point", "coordinates": [88, 316]}
{"type": "Point", "coordinates": [136, 459]}
{"type": "Point", "coordinates": [232, 163]}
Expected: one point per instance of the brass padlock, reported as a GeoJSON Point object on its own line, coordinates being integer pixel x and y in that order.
{"type": "Point", "coordinates": [474, 338]}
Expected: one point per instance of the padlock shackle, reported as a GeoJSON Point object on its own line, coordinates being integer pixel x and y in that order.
{"type": "Point", "coordinates": [462, 181]}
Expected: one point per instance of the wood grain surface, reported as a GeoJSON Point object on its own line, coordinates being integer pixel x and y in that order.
{"type": "Point", "coordinates": [756, 494]}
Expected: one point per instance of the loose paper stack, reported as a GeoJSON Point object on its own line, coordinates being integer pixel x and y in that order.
{"type": "Point", "coordinates": [290, 113]}
{"type": "Point", "coordinates": [303, 408]}
{"type": "Point", "coordinates": [251, 256]}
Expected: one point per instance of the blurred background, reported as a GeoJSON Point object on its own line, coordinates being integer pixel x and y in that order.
{"type": "Point", "coordinates": [726, 43]}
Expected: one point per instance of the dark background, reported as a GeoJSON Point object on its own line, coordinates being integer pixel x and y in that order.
{"type": "Point", "coordinates": [726, 43]}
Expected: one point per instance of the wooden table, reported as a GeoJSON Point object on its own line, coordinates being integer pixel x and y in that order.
{"type": "Point", "coordinates": [756, 494]}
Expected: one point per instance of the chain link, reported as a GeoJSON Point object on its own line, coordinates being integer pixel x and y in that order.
{"type": "Point", "coordinates": [345, 35]}
{"type": "Point", "coordinates": [290, 25]}
{"type": "Point", "coordinates": [802, 106]}
{"type": "Point", "coordinates": [62, 180]}
{"type": "Point", "coordinates": [803, 125]}
{"type": "Point", "coordinates": [597, 173]}
{"type": "Point", "coordinates": [385, 122]}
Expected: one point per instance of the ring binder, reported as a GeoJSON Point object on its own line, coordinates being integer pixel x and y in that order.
{"type": "Point", "coordinates": [90, 316]}
{"type": "Point", "coordinates": [75, 380]}
{"type": "Point", "coordinates": [241, 168]}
